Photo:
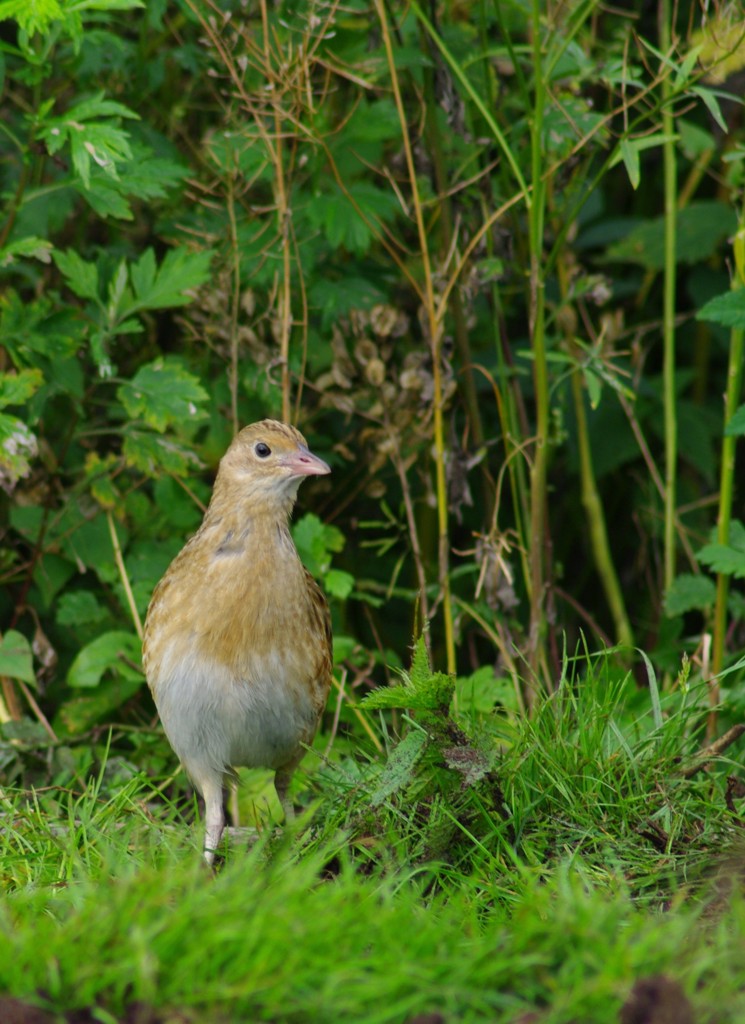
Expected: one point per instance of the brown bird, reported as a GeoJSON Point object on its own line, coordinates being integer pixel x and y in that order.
{"type": "Point", "coordinates": [237, 646]}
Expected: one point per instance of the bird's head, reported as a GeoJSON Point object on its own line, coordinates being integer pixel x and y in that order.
{"type": "Point", "coordinates": [266, 463]}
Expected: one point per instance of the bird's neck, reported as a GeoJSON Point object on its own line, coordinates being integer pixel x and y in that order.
{"type": "Point", "coordinates": [242, 525]}
{"type": "Point", "coordinates": [246, 501]}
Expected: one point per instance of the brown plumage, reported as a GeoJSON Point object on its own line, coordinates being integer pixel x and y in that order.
{"type": "Point", "coordinates": [237, 646]}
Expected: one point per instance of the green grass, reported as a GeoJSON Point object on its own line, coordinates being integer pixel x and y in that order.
{"type": "Point", "coordinates": [579, 861]}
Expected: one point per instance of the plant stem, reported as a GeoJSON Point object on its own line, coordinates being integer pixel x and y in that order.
{"type": "Point", "coordinates": [123, 574]}
{"type": "Point", "coordinates": [726, 492]}
{"type": "Point", "coordinates": [596, 520]}
{"type": "Point", "coordinates": [668, 314]}
{"type": "Point", "coordinates": [435, 340]}
{"type": "Point", "coordinates": [536, 214]}
{"type": "Point", "coordinates": [235, 300]}
{"type": "Point", "coordinates": [444, 207]}
{"type": "Point", "coordinates": [283, 214]}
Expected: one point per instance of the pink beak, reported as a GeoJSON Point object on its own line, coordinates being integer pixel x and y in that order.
{"type": "Point", "coordinates": [304, 463]}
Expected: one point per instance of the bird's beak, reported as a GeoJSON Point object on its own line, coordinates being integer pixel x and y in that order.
{"type": "Point", "coordinates": [303, 462]}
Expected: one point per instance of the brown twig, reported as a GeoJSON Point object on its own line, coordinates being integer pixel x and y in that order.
{"type": "Point", "coordinates": [705, 756]}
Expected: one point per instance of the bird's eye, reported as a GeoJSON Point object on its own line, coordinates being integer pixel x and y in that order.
{"type": "Point", "coordinates": [263, 450]}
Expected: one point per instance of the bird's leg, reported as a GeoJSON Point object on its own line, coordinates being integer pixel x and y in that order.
{"type": "Point", "coordinates": [214, 817]}
{"type": "Point", "coordinates": [282, 780]}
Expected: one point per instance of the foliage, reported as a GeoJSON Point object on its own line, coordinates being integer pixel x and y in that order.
{"type": "Point", "coordinates": [490, 258]}
{"type": "Point", "coordinates": [592, 824]}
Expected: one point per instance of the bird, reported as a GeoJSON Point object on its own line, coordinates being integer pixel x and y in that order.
{"type": "Point", "coordinates": [237, 646]}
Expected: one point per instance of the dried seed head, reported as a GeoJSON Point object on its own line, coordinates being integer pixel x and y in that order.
{"type": "Point", "coordinates": [375, 372]}
{"type": "Point", "coordinates": [365, 350]}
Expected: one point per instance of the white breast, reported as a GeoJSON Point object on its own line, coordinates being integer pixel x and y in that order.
{"type": "Point", "coordinates": [217, 721]}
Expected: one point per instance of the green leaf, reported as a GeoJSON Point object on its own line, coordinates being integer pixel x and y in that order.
{"type": "Point", "coordinates": [694, 140]}
{"type": "Point", "coordinates": [315, 542]}
{"type": "Point", "coordinates": [166, 286]}
{"type": "Point", "coordinates": [482, 691]}
{"type": "Point", "coordinates": [726, 558]}
{"type": "Point", "coordinates": [16, 659]}
{"type": "Point", "coordinates": [148, 177]}
{"type": "Point", "coordinates": [31, 247]}
{"type": "Point", "coordinates": [99, 144]}
{"type": "Point", "coordinates": [15, 388]}
{"type": "Point", "coordinates": [700, 229]}
{"type": "Point", "coordinates": [81, 277]}
{"type": "Point", "coordinates": [736, 426]}
{"type": "Point", "coordinates": [399, 768]}
{"type": "Point", "coordinates": [654, 690]}
{"type": "Point", "coordinates": [105, 5]}
{"type": "Point", "coordinates": [116, 289]}
{"type": "Point", "coordinates": [421, 670]}
{"type": "Point", "coordinates": [727, 309]}
{"type": "Point", "coordinates": [689, 592]}
{"type": "Point", "coordinates": [104, 196]}
{"type": "Point", "coordinates": [83, 536]}
{"type": "Point", "coordinates": [433, 694]}
{"type": "Point", "coordinates": [594, 386]}
{"type": "Point", "coordinates": [31, 15]}
{"type": "Point", "coordinates": [94, 139]}
{"type": "Point", "coordinates": [80, 713]}
{"type": "Point", "coordinates": [630, 156]}
{"type": "Point", "coordinates": [712, 105]}
{"type": "Point", "coordinates": [51, 574]}
{"type": "Point", "coordinates": [163, 393]}
{"type": "Point", "coordinates": [79, 608]}
{"type": "Point", "coordinates": [629, 150]}
{"type": "Point", "coordinates": [338, 583]}
{"type": "Point", "coordinates": [115, 651]}
{"type": "Point", "coordinates": [155, 455]}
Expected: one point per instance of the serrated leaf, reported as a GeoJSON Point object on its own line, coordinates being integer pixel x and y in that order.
{"type": "Point", "coordinates": [154, 455]}
{"type": "Point", "coordinates": [338, 583]}
{"type": "Point", "coordinates": [421, 669]}
{"type": "Point", "coordinates": [97, 106]}
{"type": "Point", "coordinates": [722, 558]}
{"type": "Point", "coordinates": [727, 309]}
{"type": "Point", "coordinates": [150, 177]}
{"type": "Point", "coordinates": [31, 15]}
{"type": "Point", "coordinates": [689, 592]}
{"type": "Point", "coordinates": [94, 139]}
{"type": "Point", "coordinates": [180, 271]}
{"type": "Point", "coordinates": [163, 393]}
{"type": "Point", "coordinates": [114, 651]}
{"type": "Point", "coordinates": [79, 608]}
{"type": "Point", "coordinates": [16, 659]}
{"type": "Point", "coordinates": [434, 694]}
{"type": "Point", "coordinates": [399, 768]}
{"type": "Point", "coordinates": [104, 196]}
{"type": "Point", "coordinates": [16, 388]}
{"type": "Point", "coordinates": [736, 426]}
{"type": "Point", "coordinates": [143, 272]}
{"type": "Point", "coordinates": [735, 535]}
{"type": "Point", "coordinates": [31, 247]}
{"type": "Point", "coordinates": [102, 144]}
{"type": "Point", "coordinates": [81, 277]}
